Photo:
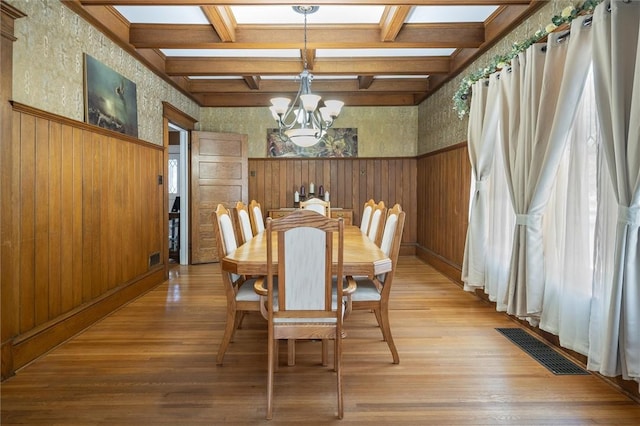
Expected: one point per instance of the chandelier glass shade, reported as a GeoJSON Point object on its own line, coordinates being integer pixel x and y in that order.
{"type": "Point", "coordinates": [301, 121]}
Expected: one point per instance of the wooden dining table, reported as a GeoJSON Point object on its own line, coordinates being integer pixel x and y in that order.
{"type": "Point", "coordinates": [361, 256]}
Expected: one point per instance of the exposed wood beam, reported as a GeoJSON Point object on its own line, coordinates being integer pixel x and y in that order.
{"type": "Point", "coordinates": [441, 35]}
{"type": "Point", "coordinates": [252, 81]}
{"type": "Point", "coordinates": [507, 18]}
{"type": "Point", "coordinates": [325, 85]}
{"type": "Point", "coordinates": [198, 66]}
{"type": "Point", "coordinates": [364, 81]}
{"type": "Point", "coordinates": [449, 35]}
{"type": "Point", "coordinates": [303, 2]}
{"type": "Point", "coordinates": [311, 58]}
{"type": "Point", "coordinates": [222, 20]}
{"type": "Point", "coordinates": [351, 99]}
{"type": "Point", "coordinates": [392, 21]}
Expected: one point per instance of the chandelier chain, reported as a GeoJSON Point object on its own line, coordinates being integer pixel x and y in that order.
{"type": "Point", "coordinates": [304, 52]}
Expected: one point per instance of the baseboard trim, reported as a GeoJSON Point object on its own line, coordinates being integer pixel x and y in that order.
{"type": "Point", "coordinates": [25, 348]}
{"type": "Point", "coordinates": [407, 249]}
{"type": "Point", "coordinates": [442, 265]}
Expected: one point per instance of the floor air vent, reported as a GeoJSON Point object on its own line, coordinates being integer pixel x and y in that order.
{"type": "Point", "coordinates": [541, 352]}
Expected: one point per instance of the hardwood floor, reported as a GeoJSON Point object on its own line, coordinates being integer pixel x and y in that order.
{"type": "Point", "coordinates": [153, 362]}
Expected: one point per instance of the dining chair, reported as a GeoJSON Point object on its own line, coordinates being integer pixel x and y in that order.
{"type": "Point", "coordinates": [373, 293]}
{"type": "Point", "coordinates": [317, 205]}
{"type": "Point", "coordinates": [243, 221]}
{"type": "Point", "coordinates": [366, 215]}
{"type": "Point", "coordinates": [305, 306]}
{"type": "Point", "coordinates": [257, 218]}
{"type": "Point", "coordinates": [239, 291]}
{"type": "Point", "coordinates": [378, 217]}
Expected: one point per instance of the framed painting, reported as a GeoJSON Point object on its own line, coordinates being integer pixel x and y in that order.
{"type": "Point", "coordinates": [340, 142]}
{"type": "Point", "coordinates": [109, 98]}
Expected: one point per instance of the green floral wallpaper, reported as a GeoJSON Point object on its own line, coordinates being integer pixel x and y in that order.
{"type": "Point", "coordinates": [382, 131]}
{"type": "Point", "coordinates": [48, 67]}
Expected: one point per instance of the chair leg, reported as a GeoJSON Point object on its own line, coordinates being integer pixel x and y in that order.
{"type": "Point", "coordinates": [272, 345]}
{"type": "Point", "coordinates": [291, 352]}
{"type": "Point", "coordinates": [376, 312]}
{"type": "Point", "coordinates": [386, 332]}
{"type": "Point", "coordinates": [325, 353]}
{"type": "Point", "coordinates": [347, 308]}
{"type": "Point", "coordinates": [337, 348]}
{"type": "Point", "coordinates": [229, 330]}
{"type": "Point", "coordinates": [239, 319]}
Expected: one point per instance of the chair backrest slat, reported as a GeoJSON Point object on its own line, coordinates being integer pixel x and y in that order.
{"type": "Point", "coordinates": [257, 218]}
{"type": "Point", "coordinates": [388, 234]}
{"type": "Point", "coordinates": [391, 241]}
{"type": "Point", "coordinates": [304, 254]}
{"type": "Point", "coordinates": [317, 205]}
{"type": "Point", "coordinates": [378, 217]}
{"type": "Point", "coordinates": [304, 270]}
{"type": "Point", "coordinates": [225, 235]}
{"type": "Point", "coordinates": [366, 215]}
{"type": "Point", "coordinates": [244, 222]}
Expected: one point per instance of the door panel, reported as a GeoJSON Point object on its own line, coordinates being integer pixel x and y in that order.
{"type": "Point", "coordinates": [219, 174]}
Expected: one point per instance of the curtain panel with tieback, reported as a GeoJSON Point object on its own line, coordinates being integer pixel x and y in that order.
{"type": "Point", "coordinates": [483, 124]}
{"type": "Point", "coordinates": [542, 100]}
{"type": "Point", "coordinates": [615, 322]}
{"type": "Point", "coordinates": [533, 103]}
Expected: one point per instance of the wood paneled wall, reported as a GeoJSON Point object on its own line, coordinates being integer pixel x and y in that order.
{"type": "Point", "coordinates": [443, 182]}
{"type": "Point", "coordinates": [88, 213]}
{"type": "Point", "coordinates": [350, 182]}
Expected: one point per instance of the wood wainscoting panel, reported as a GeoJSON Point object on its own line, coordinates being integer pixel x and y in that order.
{"type": "Point", "coordinates": [444, 179]}
{"type": "Point", "coordinates": [89, 217]}
{"type": "Point", "coordinates": [349, 181]}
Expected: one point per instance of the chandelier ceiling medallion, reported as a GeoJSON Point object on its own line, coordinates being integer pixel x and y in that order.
{"type": "Point", "coordinates": [302, 122]}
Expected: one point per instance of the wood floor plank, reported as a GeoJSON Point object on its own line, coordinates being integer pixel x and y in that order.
{"type": "Point", "coordinates": [153, 362]}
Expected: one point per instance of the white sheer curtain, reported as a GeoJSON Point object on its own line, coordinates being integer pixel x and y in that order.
{"type": "Point", "coordinates": [570, 213]}
{"type": "Point", "coordinates": [615, 326]}
{"type": "Point", "coordinates": [483, 126]}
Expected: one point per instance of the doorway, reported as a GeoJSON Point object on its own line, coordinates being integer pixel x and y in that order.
{"type": "Point", "coordinates": [178, 194]}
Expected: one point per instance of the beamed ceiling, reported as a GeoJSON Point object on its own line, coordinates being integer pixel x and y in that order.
{"type": "Point", "coordinates": [363, 52]}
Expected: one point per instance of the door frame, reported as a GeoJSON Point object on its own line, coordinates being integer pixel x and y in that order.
{"type": "Point", "coordinates": [174, 118]}
{"type": "Point", "coordinates": [183, 190]}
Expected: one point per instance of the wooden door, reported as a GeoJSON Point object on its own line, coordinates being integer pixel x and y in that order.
{"type": "Point", "coordinates": [219, 174]}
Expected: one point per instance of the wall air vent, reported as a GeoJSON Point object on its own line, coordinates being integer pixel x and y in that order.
{"type": "Point", "coordinates": [154, 259]}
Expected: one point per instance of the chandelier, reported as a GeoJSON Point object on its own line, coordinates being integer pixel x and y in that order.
{"type": "Point", "coordinates": [302, 122]}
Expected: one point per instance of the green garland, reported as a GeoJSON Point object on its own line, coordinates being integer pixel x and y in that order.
{"type": "Point", "coordinates": [461, 97]}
